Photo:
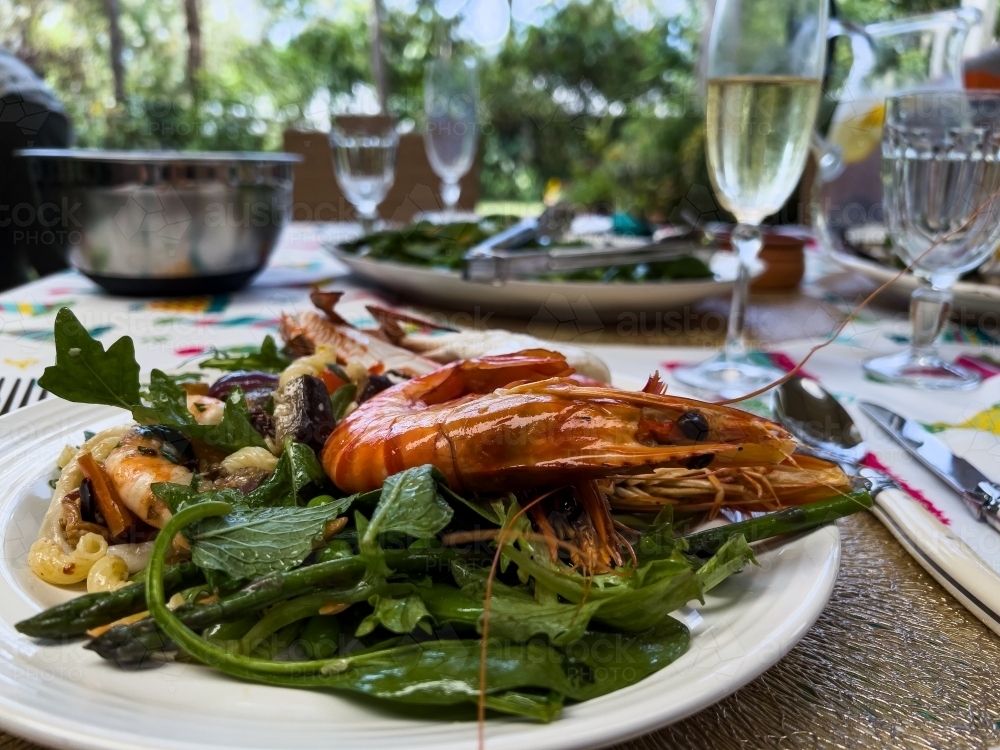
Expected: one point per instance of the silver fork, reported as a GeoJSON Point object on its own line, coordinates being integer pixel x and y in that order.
{"type": "Point", "coordinates": [29, 394]}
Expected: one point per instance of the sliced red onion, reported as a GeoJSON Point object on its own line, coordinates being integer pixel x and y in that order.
{"type": "Point", "coordinates": [248, 380]}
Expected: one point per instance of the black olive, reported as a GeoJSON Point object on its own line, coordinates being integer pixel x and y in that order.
{"type": "Point", "coordinates": [88, 506]}
{"type": "Point", "coordinates": [376, 384]}
{"type": "Point", "coordinates": [700, 461]}
{"type": "Point", "coordinates": [693, 426]}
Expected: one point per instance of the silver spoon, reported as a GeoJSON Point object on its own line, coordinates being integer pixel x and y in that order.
{"type": "Point", "coordinates": [826, 429]}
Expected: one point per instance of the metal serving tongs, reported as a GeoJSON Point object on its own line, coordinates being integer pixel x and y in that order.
{"type": "Point", "coordinates": [503, 256]}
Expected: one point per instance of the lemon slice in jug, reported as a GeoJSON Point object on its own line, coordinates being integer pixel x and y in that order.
{"type": "Point", "coordinates": [859, 134]}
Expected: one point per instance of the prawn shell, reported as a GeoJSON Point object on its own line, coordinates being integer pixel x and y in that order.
{"type": "Point", "coordinates": [547, 431]}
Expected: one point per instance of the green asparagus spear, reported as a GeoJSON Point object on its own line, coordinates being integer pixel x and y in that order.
{"type": "Point", "coordinates": [133, 644]}
{"type": "Point", "coordinates": [77, 616]}
{"type": "Point", "coordinates": [788, 521]}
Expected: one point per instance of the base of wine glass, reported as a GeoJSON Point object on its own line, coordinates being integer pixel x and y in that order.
{"type": "Point", "coordinates": [921, 370]}
{"type": "Point", "coordinates": [727, 375]}
{"type": "Point", "coordinates": [448, 216]}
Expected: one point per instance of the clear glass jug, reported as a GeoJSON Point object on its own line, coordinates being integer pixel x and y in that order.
{"type": "Point", "coordinates": [911, 53]}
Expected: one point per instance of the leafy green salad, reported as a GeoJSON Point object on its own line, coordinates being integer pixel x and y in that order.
{"type": "Point", "coordinates": [443, 245]}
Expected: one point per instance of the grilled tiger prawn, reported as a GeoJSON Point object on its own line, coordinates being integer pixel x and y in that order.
{"type": "Point", "coordinates": [520, 421]}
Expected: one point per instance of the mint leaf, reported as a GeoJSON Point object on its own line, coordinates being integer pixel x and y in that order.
{"type": "Point", "coordinates": [410, 504]}
{"type": "Point", "coordinates": [252, 542]}
{"type": "Point", "coordinates": [176, 496]}
{"type": "Point", "coordinates": [297, 468]}
{"type": "Point", "coordinates": [85, 373]}
{"type": "Point", "coordinates": [268, 359]}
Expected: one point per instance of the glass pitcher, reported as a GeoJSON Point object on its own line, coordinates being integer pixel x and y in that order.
{"type": "Point", "coordinates": [910, 53]}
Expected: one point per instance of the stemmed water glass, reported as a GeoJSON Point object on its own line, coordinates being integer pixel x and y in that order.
{"type": "Point", "coordinates": [941, 187]}
{"type": "Point", "coordinates": [364, 163]}
{"type": "Point", "coordinates": [765, 63]}
{"type": "Point", "coordinates": [451, 104]}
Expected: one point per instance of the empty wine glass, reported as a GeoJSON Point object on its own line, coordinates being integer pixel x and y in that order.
{"type": "Point", "coordinates": [941, 187]}
{"type": "Point", "coordinates": [451, 104]}
{"type": "Point", "coordinates": [364, 163]}
{"type": "Point", "coordinates": [764, 68]}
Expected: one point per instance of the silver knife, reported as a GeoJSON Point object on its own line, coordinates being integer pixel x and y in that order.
{"type": "Point", "coordinates": [979, 493]}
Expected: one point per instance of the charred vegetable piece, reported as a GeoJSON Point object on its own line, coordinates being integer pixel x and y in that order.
{"type": "Point", "coordinates": [249, 380]}
{"type": "Point", "coordinates": [375, 385]}
{"type": "Point", "coordinates": [262, 422]}
{"type": "Point", "coordinates": [114, 511]}
{"type": "Point", "coordinates": [302, 411]}
{"type": "Point", "coordinates": [73, 523]}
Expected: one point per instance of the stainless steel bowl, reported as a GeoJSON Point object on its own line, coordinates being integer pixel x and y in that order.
{"type": "Point", "coordinates": [153, 223]}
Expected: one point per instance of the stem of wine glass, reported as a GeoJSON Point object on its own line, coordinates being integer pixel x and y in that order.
{"type": "Point", "coordinates": [367, 219]}
{"type": "Point", "coordinates": [929, 309]}
{"type": "Point", "coordinates": [746, 242]}
{"type": "Point", "coordinates": [449, 195]}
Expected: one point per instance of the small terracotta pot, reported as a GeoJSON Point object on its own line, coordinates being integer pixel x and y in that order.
{"type": "Point", "coordinates": [782, 254]}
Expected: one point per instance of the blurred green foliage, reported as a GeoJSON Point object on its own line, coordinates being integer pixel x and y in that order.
{"type": "Point", "coordinates": [584, 100]}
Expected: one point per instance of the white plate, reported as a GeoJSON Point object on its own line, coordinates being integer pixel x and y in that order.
{"type": "Point", "coordinates": [438, 286]}
{"type": "Point", "coordinates": [65, 696]}
{"type": "Point", "coordinates": [970, 298]}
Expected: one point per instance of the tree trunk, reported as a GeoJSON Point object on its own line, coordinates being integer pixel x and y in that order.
{"type": "Point", "coordinates": [194, 43]}
{"type": "Point", "coordinates": [378, 54]}
{"type": "Point", "coordinates": [113, 11]}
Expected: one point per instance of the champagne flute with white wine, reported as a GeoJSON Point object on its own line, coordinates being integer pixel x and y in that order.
{"type": "Point", "coordinates": [765, 65]}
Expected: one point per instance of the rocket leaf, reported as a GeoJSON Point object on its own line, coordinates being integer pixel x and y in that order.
{"type": "Point", "coordinates": [85, 373]}
{"type": "Point", "coordinates": [268, 359]}
{"type": "Point", "coordinates": [516, 615]}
